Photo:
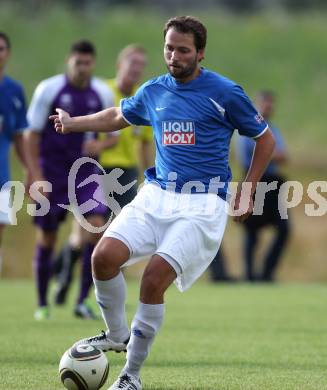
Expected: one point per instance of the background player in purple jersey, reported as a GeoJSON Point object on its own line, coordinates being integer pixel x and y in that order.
{"type": "Point", "coordinates": [50, 157]}
{"type": "Point", "coordinates": [193, 112]}
{"type": "Point", "coordinates": [12, 124]}
{"type": "Point", "coordinates": [126, 150]}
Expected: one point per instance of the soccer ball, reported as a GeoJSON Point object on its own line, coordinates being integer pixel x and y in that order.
{"type": "Point", "coordinates": [83, 368]}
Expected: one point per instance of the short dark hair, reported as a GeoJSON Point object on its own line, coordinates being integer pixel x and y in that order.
{"type": "Point", "coordinates": [5, 37]}
{"type": "Point", "coordinates": [189, 25]}
{"type": "Point", "coordinates": [84, 47]}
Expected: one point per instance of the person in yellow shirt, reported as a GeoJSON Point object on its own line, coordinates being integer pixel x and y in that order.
{"type": "Point", "coordinates": [130, 150]}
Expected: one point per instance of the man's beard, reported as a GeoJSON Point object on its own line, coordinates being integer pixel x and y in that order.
{"type": "Point", "coordinates": [183, 73]}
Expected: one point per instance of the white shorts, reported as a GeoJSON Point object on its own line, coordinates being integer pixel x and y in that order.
{"type": "Point", "coordinates": [185, 229]}
{"type": "Point", "coordinates": [5, 209]}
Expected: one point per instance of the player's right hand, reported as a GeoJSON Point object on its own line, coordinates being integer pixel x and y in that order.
{"type": "Point", "coordinates": [61, 121]}
{"type": "Point", "coordinates": [242, 206]}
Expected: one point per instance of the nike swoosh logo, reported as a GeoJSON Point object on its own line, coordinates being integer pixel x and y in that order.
{"type": "Point", "coordinates": [160, 108]}
{"type": "Point", "coordinates": [218, 106]}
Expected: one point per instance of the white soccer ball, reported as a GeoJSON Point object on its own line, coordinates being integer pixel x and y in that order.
{"type": "Point", "coordinates": [83, 368]}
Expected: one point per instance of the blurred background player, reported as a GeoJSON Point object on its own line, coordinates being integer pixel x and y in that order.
{"type": "Point", "coordinates": [130, 150]}
{"type": "Point", "coordinates": [218, 271]}
{"type": "Point", "coordinates": [50, 158]}
{"type": "Point", "coordinates": [270, 216]}
{"type": "Point", "coordinates": [12, 123]}
{"type": "Point", "coordinates": [135, 142]}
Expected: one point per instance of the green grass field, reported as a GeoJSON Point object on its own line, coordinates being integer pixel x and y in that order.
{"type": "Point", "coordinates": [224, 337]}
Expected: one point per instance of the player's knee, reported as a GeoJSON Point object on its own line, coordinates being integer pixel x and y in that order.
{"type": "Point", "coordinates": [151, 284]}
{"type": "Point", "coordinates": [105, 261]}
{"type": "Point", "coordinates": [99, 259]}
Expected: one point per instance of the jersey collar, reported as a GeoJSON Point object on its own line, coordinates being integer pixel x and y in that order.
{"type": "Point", "coordinates": [189, 84]}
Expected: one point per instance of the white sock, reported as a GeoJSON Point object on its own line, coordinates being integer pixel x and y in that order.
{"type": "Point", "coordinates": [145, 326]}
{"type": "Point", "coordinates": [111, 295]}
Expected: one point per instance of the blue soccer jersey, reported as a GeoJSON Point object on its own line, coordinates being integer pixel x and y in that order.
{"type": "Point", "coordinates": [193, 124]}
{"type": "Point", "coordinates": [12, 120]}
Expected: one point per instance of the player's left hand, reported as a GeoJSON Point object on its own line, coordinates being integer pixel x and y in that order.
{"type": "Point", "coordinates": [243, 205]}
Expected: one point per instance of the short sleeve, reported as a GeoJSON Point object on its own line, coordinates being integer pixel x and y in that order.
{"type": "Point", "coordinates": [39, 109]}
{"type": "Point", "coordinates": [42, 100]}
{"type": "Point", "coordinates": [243, 115]}
{"type": "Point", "coordinates": [134, 109]}
{"type": "Point", "coordinates": [20, 105]}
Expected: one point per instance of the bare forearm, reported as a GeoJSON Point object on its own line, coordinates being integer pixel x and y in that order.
{"type": "Point", "coordinates": [261, 157]}
{"type": "Point", "coordinates": [103, 121]}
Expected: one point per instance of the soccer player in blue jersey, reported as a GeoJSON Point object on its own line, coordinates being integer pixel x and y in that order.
{"type": "Point", "coordinates": [177, 217]}
{"type": "Point", "coordinates": [12, 124]}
